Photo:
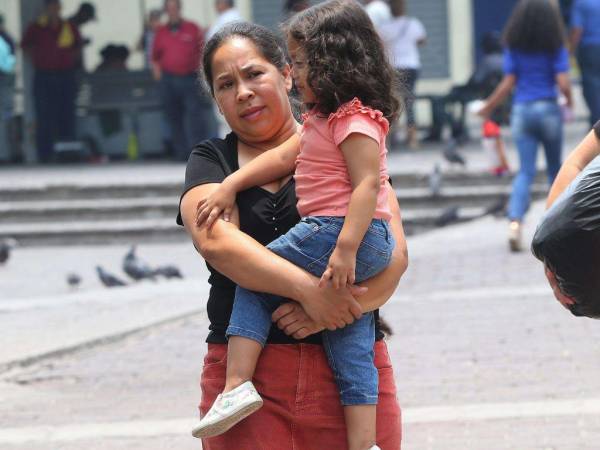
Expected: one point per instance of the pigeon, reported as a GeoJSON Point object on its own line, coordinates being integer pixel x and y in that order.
{"type": "Point", "coordinates": [135, 268]}
{"type": "Point", "coordinates": [435, 181]}
{"type": "Point", "coordinates": [73, 280]}
{"type": "Point", "coordinates": [6, 245]}
{"type": "Point", "coordinates": [168, 272]}
{"type": "Point", "coordinates": [452, 156]}
{"type": "Point", "coordinates": [108, 279]}
{"type": "Point", "coordinates": [448, 216]}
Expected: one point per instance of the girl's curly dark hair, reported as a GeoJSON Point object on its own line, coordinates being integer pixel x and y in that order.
{"type": "Point", "coordinates": [535, 26]}
{"type": "Point", "coordinates": [345, 56]}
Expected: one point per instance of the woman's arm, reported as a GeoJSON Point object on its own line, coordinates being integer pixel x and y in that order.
{"type": "Point", "coordinates": [500, 93]}
{"type": "Point", "coordinates": [251, 265]}
{"type": "Point", "coordinates": [270, 165]}
{"type": "Point", "coordinates": [292, 319]}
{"type": "Point", "coordinates": [587, 150]}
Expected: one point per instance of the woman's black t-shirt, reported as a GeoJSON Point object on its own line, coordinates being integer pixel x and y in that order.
{"type": "Point", "coordinates": [263, 215]}
{"type": "Point", "coordinates": [597, 129]}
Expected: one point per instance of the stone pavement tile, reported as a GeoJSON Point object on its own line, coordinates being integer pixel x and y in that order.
{"type": "Point", "coordinates": [523, 434]}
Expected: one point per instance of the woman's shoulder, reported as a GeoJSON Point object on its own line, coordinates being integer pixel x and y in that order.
{"type": "Point", "coordinates": [217, 149]}
{"type": "Point", "coordinates": [355, 109]}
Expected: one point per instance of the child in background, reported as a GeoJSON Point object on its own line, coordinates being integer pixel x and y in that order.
{"type": "Point", "coordinates": [494, 145]}
{"type": "Point", "coordinates": [341, 72]}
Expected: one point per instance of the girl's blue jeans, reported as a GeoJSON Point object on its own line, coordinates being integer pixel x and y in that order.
{"type": "Point", "coordinates": [350, 349]}
{"type": "Point", "coordinates": [534, 123]}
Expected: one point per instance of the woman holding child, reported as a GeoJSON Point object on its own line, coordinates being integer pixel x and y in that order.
{"type": "Point", "coordinates": [246, 69]}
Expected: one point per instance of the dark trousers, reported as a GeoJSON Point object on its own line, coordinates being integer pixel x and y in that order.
{"type": "Point", "coordinates": [408, 80]}
{"type": "Point", "coordinates": [188, 111]}
{"type": "Point", "coordinates": [54, 96]}
{"type": "Point", "coordinates": [442, 115]}
{"type": "Point", "coordinates": [588, 58]}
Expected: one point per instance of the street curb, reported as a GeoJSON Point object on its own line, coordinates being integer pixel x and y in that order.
{"type": "Point", "coordinates": [93, 343]}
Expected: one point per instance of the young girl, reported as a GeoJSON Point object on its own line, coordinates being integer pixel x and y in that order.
{"type": "Point", "coordinates": [341, 72]}
{"type": "Point", "coordinates": [536, 62]}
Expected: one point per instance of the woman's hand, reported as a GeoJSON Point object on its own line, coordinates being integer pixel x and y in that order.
{"type": "Point", "coordinates": [210, 208]}
{"type": "Point", "coordinates": [329, 307]}
{"type": "Point", "coordinates": [294, 321]}
{"type": "Point", "coordinates": [562, 298]}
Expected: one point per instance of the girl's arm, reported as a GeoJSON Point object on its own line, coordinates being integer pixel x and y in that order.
{"type": "Point", "coordinates": [497, 97]}
{"type": "Point", "coordinates": [361, 153]}
{"type": "Point", "coordinates": [292, 319]}
{"type": "Point", "coordinates": [587, 150]}
{"type": "Point", "coordinates": [270, 165]}
{"type": "Point", "coordinates": [251, 265]}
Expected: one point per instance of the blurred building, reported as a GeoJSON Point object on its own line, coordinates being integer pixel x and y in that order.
{"type": "Point", "coordinates": [453, 28]}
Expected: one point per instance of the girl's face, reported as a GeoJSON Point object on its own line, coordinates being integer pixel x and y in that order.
{"type": "Point", "coordinates": [250, 91]}
{"type": "Point", "coordinates": [300, 71]}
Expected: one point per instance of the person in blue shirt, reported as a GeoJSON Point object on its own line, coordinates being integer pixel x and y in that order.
{"type": "Point", "coordinates": [7, 67]}
{"type": "Point", "coordinates": [585, 41]}
{"type": "Point", "coordinates": [536, 63]}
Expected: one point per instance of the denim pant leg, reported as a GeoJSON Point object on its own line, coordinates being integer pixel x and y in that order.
{"type": "Point", "coordinates": [251, 315]}
{"type": "Point", "coordinates": [551, 133]}
{"type": "Point", "coordinates": [307, 245]}
{"type": "Point", "coordinates": [173, 108]}
{"type": "Point", "coordinates": [45, 117]}
{"type": "Point", "coordinates": [350, 354]}
{"type": "Point", "coordinates": [66, 106]}
{"type": "Point", "coordinates": [589, 63]}
{"type": "Point", "coordinates": [527, 143]}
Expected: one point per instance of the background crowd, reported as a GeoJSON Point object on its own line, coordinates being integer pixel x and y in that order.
{"type": "Point", "coordinates": [172, 45]}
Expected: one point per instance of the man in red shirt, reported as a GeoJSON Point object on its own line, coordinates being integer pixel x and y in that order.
{"type": "Point", "coordinates": [175, 62]}
{"type": "Point", "coordinates": [54, 46]}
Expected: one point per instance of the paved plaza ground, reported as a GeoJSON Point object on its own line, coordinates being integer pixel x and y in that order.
{"type": "Point", "coordinates": [484, 357]}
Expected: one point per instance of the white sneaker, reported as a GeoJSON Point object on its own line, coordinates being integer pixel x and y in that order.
{"type": "Point", "coordinates": [514, 236]}
{"type": "Point", "coordinates": [227, 410]}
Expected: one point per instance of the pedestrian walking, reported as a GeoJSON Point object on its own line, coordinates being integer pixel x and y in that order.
{"type": "Point", "coordinates": [536, 62]}
{"type": "Point", "coordinates": [585, 42]}
{"type": "Point", "coordinates": [245, 66]}
{"type": "Point", "coordinates": [402, 36]}
{"type": "Point", "coordinates": [54, 45]}
{"type": "Point", "coordinates": [176, 58]}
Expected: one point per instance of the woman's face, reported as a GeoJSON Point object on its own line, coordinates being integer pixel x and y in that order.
{"type": "Point", "coordinates": [251, 92]}
{"type": "Point", "coordinates": [300, 71]}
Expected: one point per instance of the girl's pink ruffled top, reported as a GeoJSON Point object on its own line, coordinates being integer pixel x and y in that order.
{"type": "Point", "coordinates": [323, 185]}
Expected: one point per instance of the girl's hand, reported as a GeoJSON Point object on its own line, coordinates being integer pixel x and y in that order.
{"type": "Point", "coordinates": [340, 268]}
{"type": "Point", "coordinates": [210, 208]}
{"type": "Point", "coordinates": [562, 298]}
{"type": "Point", "coordinates": [294, 321]}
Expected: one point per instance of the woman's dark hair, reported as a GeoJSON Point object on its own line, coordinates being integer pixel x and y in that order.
{"type": "Point", "coordinates": [535, 26]}
{"type": "Point", "coordinates": [271, 46]}
{"type": "Point", "coordinates": [345, 57]}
